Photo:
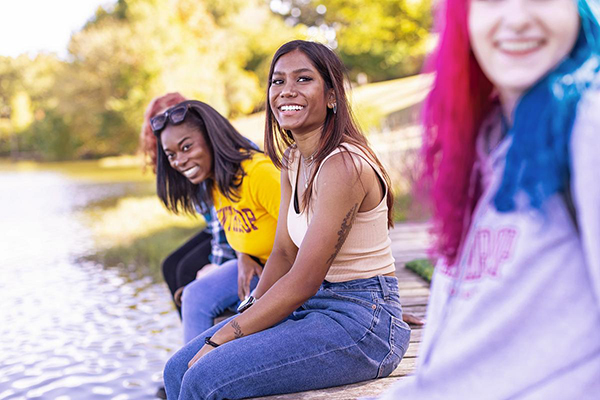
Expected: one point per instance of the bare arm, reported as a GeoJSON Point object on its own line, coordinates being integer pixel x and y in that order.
{"type": "Point", "coordinates": [284, 250]}
{"type": "Point", "coordinates": [340, 198]}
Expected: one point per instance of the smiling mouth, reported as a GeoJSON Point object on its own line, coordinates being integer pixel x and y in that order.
{"type": "Point", "coordinates": [291, 107]}
{"type": "Point", "coordinates": [520, 47]}
{"type": "Point", "coordinates": [190, 172]}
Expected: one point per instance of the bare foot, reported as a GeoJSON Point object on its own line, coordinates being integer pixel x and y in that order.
{"type": "Point", "coordinates": [413, 319]}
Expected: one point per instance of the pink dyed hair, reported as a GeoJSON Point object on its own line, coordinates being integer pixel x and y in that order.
{"type": "Point", "coordinates": [453, 112]}
{"type": "Point", "coordinates": [147, 138]}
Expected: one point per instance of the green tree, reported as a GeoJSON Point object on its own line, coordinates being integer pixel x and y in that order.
{"type": "Point", "coordinates": [9, 78]}
{"type": "Point", "coordinates": [384, 39]}
{"type": "Point", "coordinates": [92, 104]}
{"type": "Point", "coordinates": [25, 85]}
{"type": "Point", "coordinates": [142, 48]}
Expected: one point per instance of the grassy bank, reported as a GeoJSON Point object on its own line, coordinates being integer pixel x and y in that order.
{"type": "Point", "coordinates": [143, 256]}
{"type": "Point", "coordinates": [137, 233]}
{"type": "Point", "coordinates": [422, 267]}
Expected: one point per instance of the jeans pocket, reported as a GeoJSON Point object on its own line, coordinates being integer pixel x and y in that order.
{"type": "Point", "coordinates": [362, 297]}
{"type": "Point", "coordinates": [399, 339]}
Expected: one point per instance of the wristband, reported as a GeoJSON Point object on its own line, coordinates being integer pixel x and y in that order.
{"type": "Point", "coordinates": [210, 342]}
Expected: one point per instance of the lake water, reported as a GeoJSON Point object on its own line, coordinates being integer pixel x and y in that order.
{"type": "Point", "coordinates": [72, 330]}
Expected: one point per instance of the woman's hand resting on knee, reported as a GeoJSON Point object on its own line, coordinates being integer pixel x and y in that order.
{"type": "Point", "coordinates": [203, 351]}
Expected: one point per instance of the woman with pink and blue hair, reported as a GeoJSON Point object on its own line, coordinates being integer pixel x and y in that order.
{"type": "Point", "coordinates": [512, 157]}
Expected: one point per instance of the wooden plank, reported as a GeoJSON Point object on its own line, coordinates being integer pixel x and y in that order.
{"type": "Point", "coordinates": [347, 392]}
{"type": "Point", "coordinates": [407, 284]}
{"type": "Point", "coordinates": [413, 350]}
{"type": "Point", "coordinates": [406, 367]}
{"type": "Point", "coordinates": [415, 292]}
{"type": "Point", "coordinates": [416, 335]}
{"type": "Point", "coordinates": [413, 301]}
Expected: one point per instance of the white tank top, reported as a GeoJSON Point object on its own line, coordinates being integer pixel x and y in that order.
{"type": "Point", "coordinates": [367, 250]}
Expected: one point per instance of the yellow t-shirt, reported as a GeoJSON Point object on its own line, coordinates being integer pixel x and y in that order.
{"type": "Point", "coordinates": [250, 223]}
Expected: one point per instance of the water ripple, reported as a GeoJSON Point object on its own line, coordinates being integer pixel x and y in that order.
{"type": "Point", "coordinates": [72, 331]}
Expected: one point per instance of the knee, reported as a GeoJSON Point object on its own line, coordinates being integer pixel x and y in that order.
{"type": "Point", "coordinates": [174, 371]}
{"type": "Point", "coordinates": [195, 292]}
{"type": "Point", "coordinates": [199, 383]}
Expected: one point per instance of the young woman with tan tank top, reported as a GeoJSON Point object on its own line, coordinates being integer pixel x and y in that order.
{"type": "Point", "coordinates": [327, 311]}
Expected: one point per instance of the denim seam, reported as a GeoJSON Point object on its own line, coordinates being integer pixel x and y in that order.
{"type": "Point", "coordinates": [391, 352]}
{"type": "Point", "coordinates": [272, 368]}
{"type": "Point", "coordinates": [392, 342]}
{"type": "Point", "coordinates": [361, 302]}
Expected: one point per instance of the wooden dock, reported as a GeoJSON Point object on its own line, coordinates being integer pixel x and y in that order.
{"type": "Point", "coordinates": [409, 241]}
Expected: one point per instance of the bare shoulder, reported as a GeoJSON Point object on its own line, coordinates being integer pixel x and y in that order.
{"type": "Point", "coordinates": [345, 167]}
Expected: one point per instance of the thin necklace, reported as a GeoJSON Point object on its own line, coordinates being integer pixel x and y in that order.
{"type": "Point", "coordinates": [308, 161]}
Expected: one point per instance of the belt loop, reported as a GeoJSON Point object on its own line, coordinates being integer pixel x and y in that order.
{"type": "Point", "coordinates": [384, 287]}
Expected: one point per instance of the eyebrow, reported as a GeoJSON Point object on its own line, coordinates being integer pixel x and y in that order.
{"type": "Point", "coordinates": [182, 140]}
{"type": "Point", "coordinates": [178, 143]}
{"type": "Point", "coordinates": [296, 71]}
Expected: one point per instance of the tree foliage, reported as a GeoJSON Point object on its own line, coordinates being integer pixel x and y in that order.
{"type": "Point", "coordinates": [384, 39]}
{"type": "Point", "coordinates": [91, 103]}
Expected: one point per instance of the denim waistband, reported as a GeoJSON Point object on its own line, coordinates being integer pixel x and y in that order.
{"type": "Point", "coordinates": [379, 283]}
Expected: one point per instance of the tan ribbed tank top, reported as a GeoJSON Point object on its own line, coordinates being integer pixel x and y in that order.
{"type": "Point", "coordinates": [367, 250]}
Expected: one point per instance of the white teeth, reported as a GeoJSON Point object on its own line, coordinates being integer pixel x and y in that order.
{"type": "Point", "coordinates": [519, 46]}
{"type": "Point", "coordinates": [291, 108]}
{"type": "Point", "coordinates": [191, 171]}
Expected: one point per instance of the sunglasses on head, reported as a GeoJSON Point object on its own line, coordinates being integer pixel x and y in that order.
{"type": "Point", "coordinates": [176, 115]}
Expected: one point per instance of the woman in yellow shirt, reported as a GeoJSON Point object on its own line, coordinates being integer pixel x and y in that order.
{"type": "Point", "coordinates": [203, 161]}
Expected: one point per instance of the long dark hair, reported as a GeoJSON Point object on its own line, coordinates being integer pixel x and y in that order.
{"type": "Point", "coordinates": [338, 128]}
{"type": "Point", "coordinates": [228, 148]}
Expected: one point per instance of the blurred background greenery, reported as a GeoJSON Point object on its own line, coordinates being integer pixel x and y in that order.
{"type": "Point", "coordinates": [90, 104]}
{"type": "Point", "coordinates": [80, 114]}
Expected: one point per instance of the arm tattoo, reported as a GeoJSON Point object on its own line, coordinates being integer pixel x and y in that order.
{"type": "Point", "coordinates": [237, 330]}
{"type": "Point", "coordinates": [344, 231]}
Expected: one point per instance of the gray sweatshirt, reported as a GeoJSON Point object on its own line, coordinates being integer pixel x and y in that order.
{"type": "Point", "coordinates": [518, 316]}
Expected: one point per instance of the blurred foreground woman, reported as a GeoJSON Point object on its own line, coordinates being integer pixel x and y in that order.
{"type": "Point", "coordinates": [512, 151]}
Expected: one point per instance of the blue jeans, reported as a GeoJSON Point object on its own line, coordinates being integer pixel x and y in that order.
{"type": "Point", "coordinates": [348, 332]}
{"type": "Point", "coordinates": [206, 298]}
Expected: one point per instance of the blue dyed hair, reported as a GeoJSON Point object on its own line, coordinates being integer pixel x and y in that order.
{"type": "Point", "coordinates": [538, 161]}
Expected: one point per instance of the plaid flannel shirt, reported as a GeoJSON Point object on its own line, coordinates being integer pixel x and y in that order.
{"type": "Point", "coordinates": [221, 251]}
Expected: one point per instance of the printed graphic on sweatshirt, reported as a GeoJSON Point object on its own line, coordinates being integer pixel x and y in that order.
{"type": "Point", "coordinates": [488, 251]}
{"type": "Point", "coordinates": [234, 220]}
